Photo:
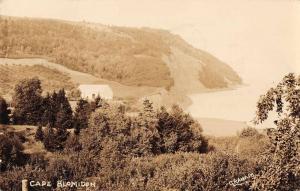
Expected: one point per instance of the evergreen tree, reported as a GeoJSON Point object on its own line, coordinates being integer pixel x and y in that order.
{"type": "Point", "coordinates": [49, 139]}
{"type": "Point", "coordinates": [61, 136]}
{"type": "Point", "coordinates": [27, 102]}
{"type": "Point", "coordinates": [64, 116]}
{"type": "Point", "coordinates": [4, 118]}
{"type": "Point", "coordinates": [52, 110]}
{"type": "Point", "coordinates": [39, 134]}
{"type": "Point", "coordinates": [54, 140]}
{"type": "Point", "coordinates": [82, 115]}
{"type": "Point", "coordinates": [48, 116]}
{"type": "Point", "coordinates": [144, 132]}
{"type": "Point", "coordinates": [148, 115]}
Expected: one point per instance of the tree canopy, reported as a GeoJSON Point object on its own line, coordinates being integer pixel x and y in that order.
{"type": "Point", "coordinates": [281, 162]}
{"type": "Point", "coordinates": [27, 102]}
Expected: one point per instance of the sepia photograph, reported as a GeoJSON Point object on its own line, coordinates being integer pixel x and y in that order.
{"type": "Point", "coordinates": [149, 95]}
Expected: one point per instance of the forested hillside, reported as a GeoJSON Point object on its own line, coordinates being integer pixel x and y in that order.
{"type": "Point", "coordinates": [130, 56]}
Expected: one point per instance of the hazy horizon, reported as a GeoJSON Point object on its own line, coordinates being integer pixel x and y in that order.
{"type": "Point", "coordinates": [251, 36]}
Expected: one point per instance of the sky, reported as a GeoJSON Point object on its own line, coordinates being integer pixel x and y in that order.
{"type": "Point", "coordinates": [260, 39]}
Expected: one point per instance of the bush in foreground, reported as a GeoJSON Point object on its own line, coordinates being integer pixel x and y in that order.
{"type": "Point", "coordinates": [11, 151]}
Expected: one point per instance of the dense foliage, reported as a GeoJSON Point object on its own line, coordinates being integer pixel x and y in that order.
{"type": "Point", "coordinates": [31, 108]}
{"type": "Point", "coordinates": [11, 151]}
{"type": "Point", "coordinates": [149, 133]}
{"type": "Point", "coordinates": [160, 149]}
{"type": "Point", "coordinates": [27, 102]}
{"type": "Point", "coordinates": [281, 162]}
{"type": "Point", "coordinates": [54, 139]}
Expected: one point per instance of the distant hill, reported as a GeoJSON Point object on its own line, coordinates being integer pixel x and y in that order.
{"type": "Point", "coordinates": [131, 56]}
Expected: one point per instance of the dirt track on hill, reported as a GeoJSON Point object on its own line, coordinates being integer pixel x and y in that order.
{"type": "Point", "coordinates": [185, 72]}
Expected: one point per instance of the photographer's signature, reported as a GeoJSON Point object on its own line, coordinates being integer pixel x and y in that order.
{"type": "Point", "coordinates": [240, 180]}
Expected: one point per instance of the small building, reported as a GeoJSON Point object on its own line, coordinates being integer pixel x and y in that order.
{"type": "Point", "coordinates": [91, 91]}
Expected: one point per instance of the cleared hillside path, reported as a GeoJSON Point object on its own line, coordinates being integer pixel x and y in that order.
{"type": "Point", "coordinates": [78, 78]}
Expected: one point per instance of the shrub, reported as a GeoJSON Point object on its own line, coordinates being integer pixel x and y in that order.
{"type": "Point", "coordinates": [73, 144]}
{"type": "Point", "coordinates": [59, 169]}
{"type": "Point", "coordinates": [248, 132]}
{"type": "Point", "coordinates": [12, 180]}
{"type": "Point", "coordinates": [37, 160]}
{"type": "Point", "coordinates": [179, 171]}
{"type": "Point", "coordinates": [11, 151]}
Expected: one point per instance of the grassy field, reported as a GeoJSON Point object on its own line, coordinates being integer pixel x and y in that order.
{"type": "Point", "coordinates": [51, 79]}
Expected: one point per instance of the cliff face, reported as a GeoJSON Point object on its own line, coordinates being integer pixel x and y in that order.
{"type": "Point", "coordinates": [130, 56]}
{"type": "Point", "coordinates": [194, 69]}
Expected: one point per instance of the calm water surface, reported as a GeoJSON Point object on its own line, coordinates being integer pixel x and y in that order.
{"type": "Point", "coordinates": [238, 104]}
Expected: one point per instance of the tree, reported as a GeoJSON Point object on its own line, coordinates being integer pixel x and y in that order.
{"type": "Point", "coordinates": [48, 116]}
{"type": "Point", "coordinates": [4, 118]}
{"type": "Point", "coordinates": [64, 116]}
{"type": "Point", "coordinates": [52, 110]}
{"type": "Point", "coordinates": [180, 132]}
{"type": "Point", "coordinates": [27, 102]}
{"type": "Point", "coordinates": [54, 139]}
{"type": "Point", "coordinates": [82, 115]}
{"type": "Point", "coordinates": [144, 132]}
{"type": "Point", "coordinates": [281, 162]}
{"type": "Point", "coordinates": [39, 134]}
{"type": "Point", "coordinates": [49, 141]}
